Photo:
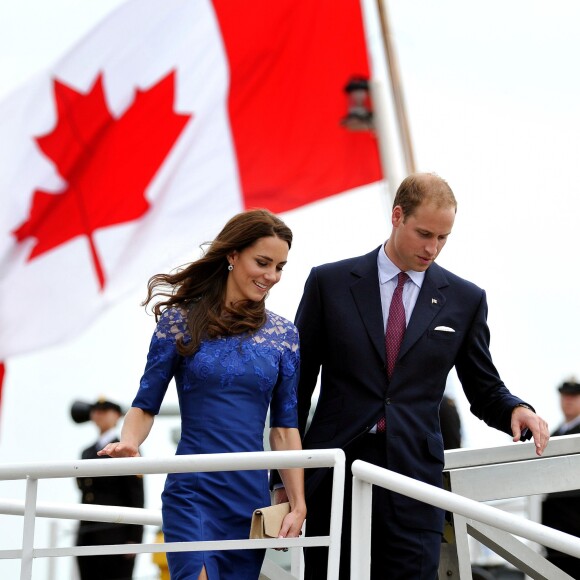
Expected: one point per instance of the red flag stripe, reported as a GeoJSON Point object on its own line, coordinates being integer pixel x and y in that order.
{"type": "Point", "coordinates": [288, 69]}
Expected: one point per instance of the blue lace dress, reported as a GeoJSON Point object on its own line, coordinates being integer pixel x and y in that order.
{"type": "Point", "coordinates": [224, 392]}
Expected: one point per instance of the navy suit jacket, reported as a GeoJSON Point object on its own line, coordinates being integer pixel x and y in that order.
{"type": "Point", "coordinates": [342, 334]}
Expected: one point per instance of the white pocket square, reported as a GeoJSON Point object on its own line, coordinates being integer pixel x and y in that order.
{"type": "Point", "coordinates": [444, 329]}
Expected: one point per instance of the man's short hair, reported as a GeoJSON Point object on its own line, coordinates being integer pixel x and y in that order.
{"type": "Point", "coordinates": [419, 187]}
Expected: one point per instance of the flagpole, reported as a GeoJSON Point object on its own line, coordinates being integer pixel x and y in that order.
{"type": "Point", "coordinates": [384, 111]}
{"type": "Point", "coordinates": [382, 127]}
{"type": "Point", "coordinates": [397, 88]}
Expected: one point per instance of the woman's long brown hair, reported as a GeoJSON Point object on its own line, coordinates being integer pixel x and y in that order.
{"type": "Point", "coordinates": [200, 287]}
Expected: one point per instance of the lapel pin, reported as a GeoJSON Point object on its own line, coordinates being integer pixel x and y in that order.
{"type": "Point", "coordinates": [433, 300]}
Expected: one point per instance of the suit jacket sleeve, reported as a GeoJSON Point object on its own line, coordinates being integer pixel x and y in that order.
{"type": "Point", "coordinates": [489, 398]}
{"type": "Point", "coordinates": [311, 332]}
{"type": "Point", "coordinates": [309, 321]}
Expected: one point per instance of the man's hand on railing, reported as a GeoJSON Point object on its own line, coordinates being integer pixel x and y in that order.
{"type": "Point", "coordinates": [524, 419]}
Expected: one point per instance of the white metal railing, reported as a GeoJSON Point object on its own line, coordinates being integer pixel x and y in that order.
{"type": "Point", "coordinates": [33, 472]}
{"type": "Point", "coordinates": [499, 474]}
{"type": "Point", "coordinates": [366, 475]}
{"type": "Point", "coordinates": [92, 513]}
{"type": "Point", "coordinates": [475, 474]}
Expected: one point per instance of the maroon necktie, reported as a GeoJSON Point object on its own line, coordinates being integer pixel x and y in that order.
{"type": "Point", "coordinates": [396, 325]}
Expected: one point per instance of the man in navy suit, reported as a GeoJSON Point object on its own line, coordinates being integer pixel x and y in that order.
{"type": "Point", "coordinates": [342, 319]}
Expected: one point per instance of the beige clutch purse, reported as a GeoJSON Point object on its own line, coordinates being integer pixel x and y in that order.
{"type": "Point", "coordinates": [267, 521]}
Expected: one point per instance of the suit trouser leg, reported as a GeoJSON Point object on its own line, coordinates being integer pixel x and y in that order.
{"type": "Point", "coordinates": [397, 552]}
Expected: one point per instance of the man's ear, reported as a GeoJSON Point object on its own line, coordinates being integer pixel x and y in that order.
{"type": "Point", "coordinates": [397, 217]}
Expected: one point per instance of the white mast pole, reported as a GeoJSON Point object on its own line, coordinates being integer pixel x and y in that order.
{"type": "Point", "coordinates": [387, 122]}
{"type": "Point", "coordinates": [397, 88]}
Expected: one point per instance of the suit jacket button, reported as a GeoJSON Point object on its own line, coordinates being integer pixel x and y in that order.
{"type": "Point", "coordinates": [387, 401]}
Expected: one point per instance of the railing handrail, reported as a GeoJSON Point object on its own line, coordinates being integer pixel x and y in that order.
{"type": "Point", "coordinates": [364, 473]}
{"type": "Point", "coordinates": [511, 452]}
{"type": "Point", "coordinates": [466, 507]}
{"type": "Point", "coordinates": [242, 461]}
{"type": "Point", "coordinates": [173, 464]}
{"type": "Point", "coordinates": [91, 513]}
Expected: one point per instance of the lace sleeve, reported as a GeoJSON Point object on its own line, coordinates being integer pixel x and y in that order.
{"type": "Point", "coordinates": [284, 404]}
{"type": "Point", "coordinates": [162, 360]}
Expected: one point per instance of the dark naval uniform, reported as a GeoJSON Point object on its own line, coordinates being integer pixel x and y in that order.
{"type": "Point", "coordinates": [561, 511]}
{"type": "Point", "coordinates": [126, 490]}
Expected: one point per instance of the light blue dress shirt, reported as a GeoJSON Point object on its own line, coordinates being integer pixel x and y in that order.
{"type": "Point", "coordinates": [388, 273]}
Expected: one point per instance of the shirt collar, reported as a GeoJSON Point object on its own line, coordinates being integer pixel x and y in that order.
{"type": "Point", "coordinates": [388, 270]}
{"type": "Point", "coordinates": [107, 437]}
{"type": "Point", "coordinates": [571, 424]}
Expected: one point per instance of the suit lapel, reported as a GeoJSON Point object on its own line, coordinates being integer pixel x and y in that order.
{"type": "Point", "coordinates": [367, 297]}
{"type": "Point", "coordinates": [429, 303]}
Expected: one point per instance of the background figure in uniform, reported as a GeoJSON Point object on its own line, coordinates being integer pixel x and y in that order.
{"type": "Point", "coordinates": [384, 330]}
{"type": "Point", "coordinates": [232, 360]}
{"type": "Point", "coordinates": [160, 558]}
{"type": "Point", "coordinates": [125, 490]}
{"type": "Point", "coordinates": [450, 423]}
{"type": "Point", "coordinates": [561, 511]}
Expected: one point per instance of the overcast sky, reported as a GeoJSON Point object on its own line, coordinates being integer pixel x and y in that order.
{"type": "Point", "coordinates": [492, 91]}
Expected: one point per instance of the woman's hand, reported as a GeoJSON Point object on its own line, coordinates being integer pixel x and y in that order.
{"type": "Point", "coordinates": [292, 524]}
{"type": "Point", "coordinates": [119, 449]}
{"type": "Point", "coordinates": [136, 427]}
{"type": "Point", "coordinates": [286, 439]}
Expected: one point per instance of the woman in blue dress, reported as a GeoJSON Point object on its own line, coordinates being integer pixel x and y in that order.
{"type": "Point", "coordinates": [231, 360]}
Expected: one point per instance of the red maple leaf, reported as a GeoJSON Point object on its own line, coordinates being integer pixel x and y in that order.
{"type": "Point", "coordinates": [107, 164]}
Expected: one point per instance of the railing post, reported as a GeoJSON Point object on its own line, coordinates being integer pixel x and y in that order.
{"type": "Point", "coordinates": [462, 547]}
{"type": "Point", "coordinates": [360, 554]}
{"type": "Point", "coordinates": [53, 541]}
{"type": "Point", "coordinates": [297, 560]}
{"type": "Point", "coordinates": [336, 516]}
{"type": "Point", "coordinates": [28, 529]}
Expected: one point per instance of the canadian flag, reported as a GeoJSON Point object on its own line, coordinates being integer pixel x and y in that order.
{"type": "Point", "coordinates": [163, 122]}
